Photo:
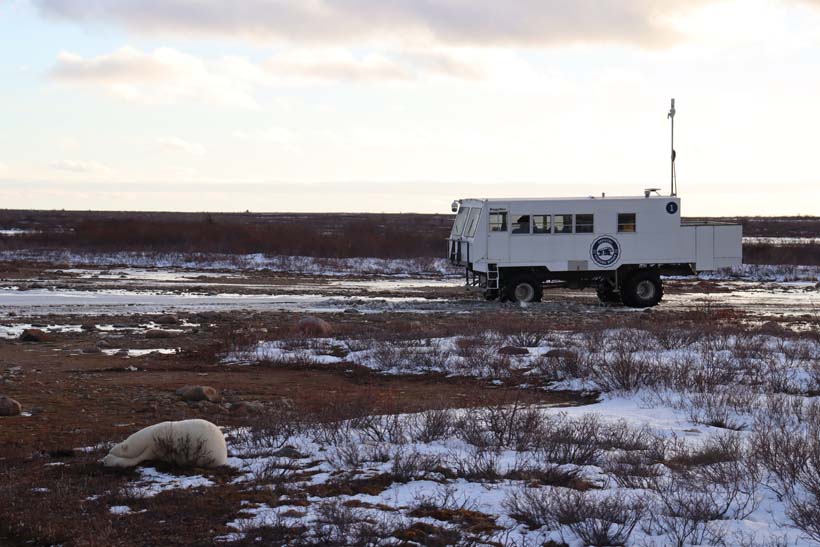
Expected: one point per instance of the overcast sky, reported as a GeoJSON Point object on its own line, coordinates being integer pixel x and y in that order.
{"type": "Point", "coordinates": [405, 105]}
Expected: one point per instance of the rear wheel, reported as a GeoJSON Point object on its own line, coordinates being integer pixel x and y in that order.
{"type": "Point", "coordinates": [523, 288]}
{"type": "Point", "coordinates": [642, 289]}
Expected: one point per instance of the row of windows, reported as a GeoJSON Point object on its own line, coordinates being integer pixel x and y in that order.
{"type": "Point", "coordinates": [556, 224]}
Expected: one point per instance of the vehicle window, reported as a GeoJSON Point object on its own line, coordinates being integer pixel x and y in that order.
{"type": "Point", "coordinates": [521, 224]}
{"type": "Point", "coordinates": [626, 222]}
{"type": "Point", "coordinates": [541, 224]}
{"type": "Point", "coordinates": [461, 220]}
{"type": "Point", "coordinates": [472, 221]}
{"type": "Point", "coordinates": [498, 221]}
{"type": "Point", "coordinates": [563, 224]}
{"type": "Point", "coordinates": [584, 224]}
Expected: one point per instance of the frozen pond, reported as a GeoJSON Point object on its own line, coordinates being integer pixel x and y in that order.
{"type": "Point", "coordinates": [777, 299]}
{"type": "Point", "coordinates": [43, 301]}
{"type": "Point", "coordinates": [396, 284]}
{"type": "Point", "coordinates": [146, 274]}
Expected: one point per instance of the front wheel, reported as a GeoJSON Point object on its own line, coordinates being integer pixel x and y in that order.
{"type": "Point", "coordinates": [523, 289]}
{"type": "Point", "coordinates": [642, 289]}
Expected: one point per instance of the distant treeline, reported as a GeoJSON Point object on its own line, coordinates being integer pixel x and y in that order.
{"type": "Point", "coordinates": [374, 237]}
{"type": "Point", "coordinates": [333, 235]}
{"type": "Point", "coordinates": [806, 254]}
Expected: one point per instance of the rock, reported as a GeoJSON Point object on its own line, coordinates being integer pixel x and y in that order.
{"type": "Point", "coordinates": [817, 285]}
{"type": "Point", "coordinates": [122, 353]}
{"type": "Point", "coordinates": [91, 349]}
{"type": "Point", "coordinates": [771, 327]}
{"type": "Point", "coordinates": [561, 354]}
{"type": "Point", "coordinates": [512, 350]}
{"type": "Point", "coordinates": [88, 326]}
{"type": "Point", "coordinates": [207, 316]}
{"type": "Point", "coordinates": [104, 344]}
{"type": "Point", "coordinates": [9, 407]}
{"type": "Point", "coordinates": [247, 407]}
{"type": "Point", "coordinates": [34, 335]}
{"type": "Point", "coordinates": [352, 311]}
{"type": "Point", "coordinates": [288, 451]}
{"type": "Point", "coordinates": [155, 334]}
{"type": "Point", "coordinates": [198, 393]}
{"type": "Point", "coordinates": [166, 320]}
{"type": "Point", "coordinates": [313, 326]}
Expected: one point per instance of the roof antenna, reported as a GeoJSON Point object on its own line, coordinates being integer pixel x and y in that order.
{"type": "Point", "coordinates": [673, 176]}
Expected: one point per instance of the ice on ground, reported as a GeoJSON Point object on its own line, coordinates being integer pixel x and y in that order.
{"type": "Point", "coordinates": [140, 352]}
{"type": "Point", "coordinates": [15, 330]}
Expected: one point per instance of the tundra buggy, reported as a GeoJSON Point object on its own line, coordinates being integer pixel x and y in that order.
{"type": "Point", "coordinates": [512, 249]}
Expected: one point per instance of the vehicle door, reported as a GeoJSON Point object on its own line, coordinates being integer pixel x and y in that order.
{"type": "Point", "coordinates": [498, 234]}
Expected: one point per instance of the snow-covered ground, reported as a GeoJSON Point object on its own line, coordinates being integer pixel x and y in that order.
{"type": "Point", "coordinates": [783, 240]}
{"type": "Point", "coordinates": [765, 272]}
{"type": "Point", "coordinates": [522, 469]}
{"type": "Point", "coordinates": [250, 262]}
{"type": "Point", "coordinates": [684, 430]}
{"type": "Point", "coordinates": [15, 232]}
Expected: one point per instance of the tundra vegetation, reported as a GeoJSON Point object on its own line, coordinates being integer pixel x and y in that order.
{"type": "Point", "coordinates": [553, 424]}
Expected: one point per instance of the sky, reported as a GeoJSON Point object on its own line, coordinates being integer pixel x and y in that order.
{"type": "Point", "coordinates": [405, 105]}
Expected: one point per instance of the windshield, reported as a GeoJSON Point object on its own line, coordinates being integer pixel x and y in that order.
{"type": "Point", "coordinates": [472, 222]}
{"type": "Point", "coordinates": [461, 220]}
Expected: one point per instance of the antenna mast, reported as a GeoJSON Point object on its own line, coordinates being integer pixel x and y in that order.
{"type": "Point", "coordinates": [673, 177]}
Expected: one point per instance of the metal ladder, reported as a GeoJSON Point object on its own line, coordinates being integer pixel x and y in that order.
{"type": "Point", "coordinates": [492, 276]}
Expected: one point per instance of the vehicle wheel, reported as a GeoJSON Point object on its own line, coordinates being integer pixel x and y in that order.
{"type": "Point", "coordinates": [524, 289]}
{"type": "Point", "coordinates": [607, 294]}
{"type": "Point", "coordinates": [643, 289]}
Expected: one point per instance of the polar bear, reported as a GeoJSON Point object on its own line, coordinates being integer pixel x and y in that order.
{"type": "Point", "coordinates": [188, 442]}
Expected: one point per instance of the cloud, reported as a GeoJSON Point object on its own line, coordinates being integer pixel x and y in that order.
{"type": "Point", "coordinates": [81, 167]}
{"type": "Point", "coordinates": [459, 22]}
{"type": "Point", "coordinates": [181, 145]}
{"type": "Point", "coordinates": [274, 135]}
{"type": "Point", "coordinates": [164, 75]}
{"type": "Point", "coordinates": [3, 168]}
{"type": "Point", "coordinates": [337, 64]}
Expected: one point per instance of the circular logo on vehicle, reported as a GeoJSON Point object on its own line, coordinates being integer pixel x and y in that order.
{"type": "Point", "coordinates": [605, 251]}
{"type": "Point", "coordinates": [671, 207]}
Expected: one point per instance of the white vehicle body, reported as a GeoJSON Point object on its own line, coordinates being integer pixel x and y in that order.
{"type": "Point", "coordinates": [582, 240]}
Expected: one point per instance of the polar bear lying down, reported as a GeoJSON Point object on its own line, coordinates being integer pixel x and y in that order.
{"type": "Point", "coordinates": [189, 442]}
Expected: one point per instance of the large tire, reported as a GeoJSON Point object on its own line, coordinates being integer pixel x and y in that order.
{"type": "Point", "coordinates": [642, 289]}
{"type": "Point", "coordinates": [607, 294]}
{"type": "Point", "coordinates": [523, 288]}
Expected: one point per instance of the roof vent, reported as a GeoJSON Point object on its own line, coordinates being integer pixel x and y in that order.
{"type": "Point", "coordinates": [648, 191]}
